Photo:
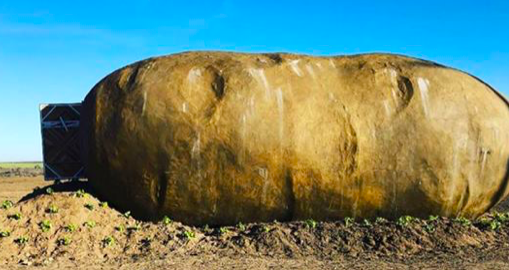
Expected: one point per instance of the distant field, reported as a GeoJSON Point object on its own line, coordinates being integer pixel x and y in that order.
{"type": "Point", "coordinates": [9, 165]}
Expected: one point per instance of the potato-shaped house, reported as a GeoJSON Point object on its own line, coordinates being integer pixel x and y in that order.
{"type": "Point", "coordinates": [219, 138]}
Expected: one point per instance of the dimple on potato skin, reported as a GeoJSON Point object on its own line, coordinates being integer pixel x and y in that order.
{"type": "Point", "coordinates": [220, 138]}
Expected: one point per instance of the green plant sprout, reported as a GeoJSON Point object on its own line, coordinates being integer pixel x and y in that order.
{"type": "Point", "coordinates": [120, 228]}
{"type": "Point", "coordinates": [81, 194]}
{"type": "Point", "coordinates": [108, 241]}
{"type": "Point", "coordinates": [223, 230]}
{"type": "Point", "coordinates": [495, 225]}
{"type": "Point", "coordinates": [429, 228]}
{"type": "Point", "coordinates": [492, 224]}
{"type": "Point", "coordinates": [103, 204]}
{"type": "Point", "coordinates": [366, 223]}
{"type": "Point", "coordinates": [166, 220]}
{"type": "Point", "coordinates": [310, 223]}
{"type": "Point", "coordinates": [349, 221]}
{"type": "Point", "coordinates": [189, 235]}
{"type": "Point", "coordinates": [64, 241]}
{"type": "Point", "coordinates": [463, 221]}
{"type": "Point", "coordinates": [241, 226]}
{"type": "Point", "coordinates": [89, 206]}
{"type": "Point", "coordinates": [70, 227]}
{"type": "Point", "coordinates": [21, 240]}
{"type": "Point", "coordinates": [49, 191]}
{"type": "Point", "coordinates": [7, 204]}
{"type": "Point", "coordinates": [432, 218]}
{"type": "Point", "coordinates": [404, 220]}
{"type": "Point", "coordinates": [52, 209]}
{"type": "Point", "coordinates": [15, 216]}
{"type": "Point", "coordinates": [502, 217]}
{"type": "Point", "coordinates": [45, 225]}
{"type": "Point", "coordinates": [5, 233]}
{"type": "Point", "coordinates": [380, 220]}
{"type": "Point", "coordinates": [89, 224]}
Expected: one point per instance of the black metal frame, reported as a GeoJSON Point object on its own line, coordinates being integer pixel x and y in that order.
{"type": "Point", "coordinates": [61, 141]}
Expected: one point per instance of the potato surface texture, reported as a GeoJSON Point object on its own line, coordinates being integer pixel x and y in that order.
{"type": "Point", "coordinates": [220, 138]}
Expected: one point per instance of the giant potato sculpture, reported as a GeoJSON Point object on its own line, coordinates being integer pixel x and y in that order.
{"type": "Point", "coordinates": [218, 138]}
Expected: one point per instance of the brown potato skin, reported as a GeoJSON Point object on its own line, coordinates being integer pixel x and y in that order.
{"type": "Point", "coordinates": [220, 138]}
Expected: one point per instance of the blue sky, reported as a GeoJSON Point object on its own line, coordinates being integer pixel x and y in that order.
{"type": "Point", "coordinates": [56, 52]}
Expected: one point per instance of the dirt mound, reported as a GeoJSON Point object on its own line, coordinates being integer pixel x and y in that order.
{"type": "Point", "coordinates": [67, 224]}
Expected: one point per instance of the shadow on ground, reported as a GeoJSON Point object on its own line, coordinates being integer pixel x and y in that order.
{"type": "Point", "coordinates": [67, 186]}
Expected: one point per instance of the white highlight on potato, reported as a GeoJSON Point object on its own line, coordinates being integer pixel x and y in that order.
{"type": "Point", "coordinates": [483, 160]}
{"type": "Point", "coordinates": [310, 70]}
{"type": "Point", "coordinates": [393, 73]}
{"type": "Point", "coordinates": [243, 125]}
{"type": "Point", "coordinates": [193, 75]}
{"type": "Point", "coordinates": [195, 151]}
{"type": "Point", "coordinates": [144, 103]}
{"type": "Point", "coordinates": [252, 105]}
{"type": "Point", "coordinates": [387, 108]}
{"type": "Point", "coordinates": [332, 97]}
{"type": "Point", "coordinates": [394, 95]}
{"type": "Point", "coordinates": [184, 107]}
{"type": "Point", "coordinates": [294, 65]}
{"type": "Point", "coordinates": [280, 107]}
{"type": "Point", "coordinates": [264, 173]}
{"type": "Point", "coordinates": [423, 87]}
{"type": "Point", "coordinates": [331, 62]}
{"type": "Point", "coordinates": [259, 76]}
{"type": "Point", "coordinates": [243, 133]}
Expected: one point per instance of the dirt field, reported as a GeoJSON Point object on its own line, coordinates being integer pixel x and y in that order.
{"type": "Point", "coordinates": [29, 165]}
{"type": "Point", "coordinates": [66, 227]}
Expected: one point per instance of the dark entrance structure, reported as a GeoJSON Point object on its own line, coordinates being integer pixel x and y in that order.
{"type": "Point", "coordinates": [60, 141]}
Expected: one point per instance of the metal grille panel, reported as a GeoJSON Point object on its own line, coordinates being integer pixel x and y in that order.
{"type": "Point", "coordinates": [60, 141]}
